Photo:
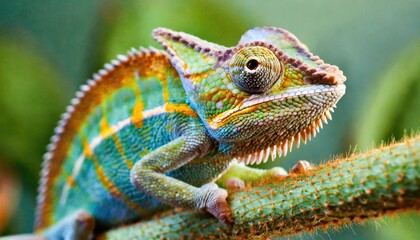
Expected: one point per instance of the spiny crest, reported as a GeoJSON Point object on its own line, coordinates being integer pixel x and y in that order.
{"type": "Point", "coordinates": [296, 53]}
{"type": "Point", "coordinates": [85, 89]}
{"type": "Point", "coordinates": [189, 54]}
{"type": "Point", "coordinates": [67, 125]}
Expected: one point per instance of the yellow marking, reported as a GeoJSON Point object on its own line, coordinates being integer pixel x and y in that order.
{"type": "Point", "coordinates": [180, 108]}
{"type": "Point", "coordinates": [217, 123]}
{"type": "Point", "coordinates": [106, 130]}
{"type": "Point", "coordinates": [86, 148]}
{"type": "Point", "coordinates": [198, 77]}
{"type": "Point", "coordinates": [137, 116]}
{"type": "Point", "coordinates": [121, 151]}
{"type": "Point", "coordinates": [106, 182]}
{"type": "Point", "coordinates": [70, 181]}
{"type": "Point", "coordinates": [165, 89]}
{"type": "Point", "coordinates": [105, 86]}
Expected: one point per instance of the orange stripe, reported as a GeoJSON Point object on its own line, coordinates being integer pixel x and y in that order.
{"type": "Point", "coordinates": [137, 116]}
{"type": "Point", "coordinates": [106, 182]}
{"type": "Point", "coordinates": [180, 108]}
{"type": "Point", "coordinates": [71, 181]}
{"type": "Point", "coordinates": [165, 90]}
{"type": "Point", "coordinates": [120, 149]}
{"type": "Point", "coordinates": [225, 120]}
{"type": "Point", "coordinates": [106, 130]}
{"type": "Point", "coordinates": [148, 64]}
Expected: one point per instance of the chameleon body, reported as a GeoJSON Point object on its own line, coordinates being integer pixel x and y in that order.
{"type": "Point", "coordinates": [157, 128]}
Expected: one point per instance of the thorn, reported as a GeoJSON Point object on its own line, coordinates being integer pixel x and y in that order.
{"type": "Point", "coordinates": [303, 136]}
{"type": "Point", "coordinates": [108, 67]}
{"type": "Point", "coordinates": [266, 154]}
{"type": "Point", "coordinates": [319, 123]}
{"type": "Point", "coordinates": [122, 58]}
{"type": "Point", "coordinates": [248, 159]}
{"type": "Point", "coordinates": [297, 140]}
{"type": "Point", "coordinates": [285, 148]}
{"type": "Point", "coordinates": [84, 88]}
{"type": "Point", "coordinates": [279, 150]}
{"type": "Point", "coordinates": [253, 158]}
{"type": "Point", "coordinates": [102, 72]}
{"type": "Point", "coordinates": [328, 115]}
{"type": "Point", "coordinates": [273, 152]}
{"type": "Point", "coordinates": [258, 157]}
{"type": "Point", "coordinates": [309, 132]}
{"type": "Point", "coordinates": [134, 50]}
{"type": "Point", "coordinates": [290, 144]}
{"type": "Point", "coordinates": [115, 62]}
{"type": "Point", "coordinates": [323, 118]}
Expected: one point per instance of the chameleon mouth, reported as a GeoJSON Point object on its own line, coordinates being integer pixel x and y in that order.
{"type": "Point", "coordinates": [285, 146]}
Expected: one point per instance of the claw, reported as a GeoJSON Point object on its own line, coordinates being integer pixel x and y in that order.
{"type": "Point", "coordinates": [277, 172]}
{"type": "Point", "coordinates": [301, 167]}
{"type": "Point", "coordinates": [216, 203]}
{"type": "Point", "coordinates": [235, 184]}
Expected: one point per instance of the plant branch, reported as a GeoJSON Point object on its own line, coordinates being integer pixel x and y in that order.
{"type": "Point", "coordinates": [350, 189]}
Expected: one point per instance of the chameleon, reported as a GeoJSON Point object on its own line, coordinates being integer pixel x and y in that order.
{"type": "Point", "coordinates": [156, 128]}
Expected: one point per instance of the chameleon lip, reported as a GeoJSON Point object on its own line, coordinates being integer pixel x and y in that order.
{"type": "Point", "coordinates": [290, 93]}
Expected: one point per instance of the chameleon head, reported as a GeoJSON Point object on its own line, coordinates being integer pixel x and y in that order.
{"type": "Point", "coordinates": [260, 96]}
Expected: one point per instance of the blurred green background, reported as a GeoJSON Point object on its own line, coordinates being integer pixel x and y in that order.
{"type": "Point", "coordinates": [48, 48]}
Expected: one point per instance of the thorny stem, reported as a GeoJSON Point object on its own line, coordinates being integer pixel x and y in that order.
{"type": "Point", "coordinates": [351, 189]}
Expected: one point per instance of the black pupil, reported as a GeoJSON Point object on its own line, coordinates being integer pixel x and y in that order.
{"type": "Point", "coordinates": [252, 64]}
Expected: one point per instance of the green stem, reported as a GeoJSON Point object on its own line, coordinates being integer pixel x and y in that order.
{"type": "Point", "coordinates": [351, 189]}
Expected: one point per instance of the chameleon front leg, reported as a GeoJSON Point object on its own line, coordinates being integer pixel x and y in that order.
{"type": "Point", "coordinates": [79, 225]}
{"type": "Point", "coordinates": [148, 175]}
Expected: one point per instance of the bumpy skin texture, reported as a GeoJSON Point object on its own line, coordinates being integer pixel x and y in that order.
{"type": "Point", "coordinates": [156, 128]}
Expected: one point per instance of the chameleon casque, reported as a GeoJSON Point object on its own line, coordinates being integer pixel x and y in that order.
{"type": "Point", "coordinates": [157, 128]}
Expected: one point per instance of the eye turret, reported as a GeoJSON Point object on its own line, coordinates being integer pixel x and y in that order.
{"type": "Point", "coordinates": [254, 69]}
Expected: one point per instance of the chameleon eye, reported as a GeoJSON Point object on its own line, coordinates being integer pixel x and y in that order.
{"type": "Point", "coordinates": [254, 69]}
{"type": "Point", "coordinates": [252, 64]}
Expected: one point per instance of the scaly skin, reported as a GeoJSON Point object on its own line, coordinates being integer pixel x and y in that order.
{"type": "Point", "coordinates": [355, 188]}
{"type": "Point", "coordinates": [156, 129]}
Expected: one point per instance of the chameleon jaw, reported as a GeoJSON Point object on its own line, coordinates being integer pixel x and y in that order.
{"type": "Point", "coordinates": [283, 147]}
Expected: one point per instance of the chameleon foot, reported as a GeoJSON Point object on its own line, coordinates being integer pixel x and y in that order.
{"type": "Point", "coordinates": [276, 172]}
{"type": "Point", "coordinates": [301, 167]}
{"type": "Point", "coordinates": [78, 226]}
{"type": "Point", "coordinates": [235, 184]}
{"type": "Point", "coordinates": [239, 174]}
{"type": "Point", "coordinates": [214, 199]}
